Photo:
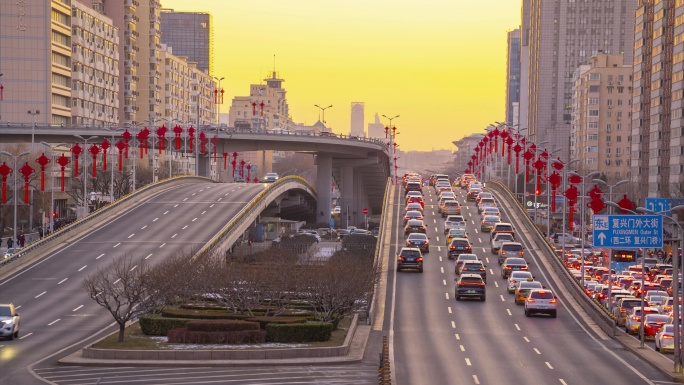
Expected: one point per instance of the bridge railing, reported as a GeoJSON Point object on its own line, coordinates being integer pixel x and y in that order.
{"type": "Point", "coordinates": [98, 215]}
{"type": "Point", "coordinates": [379, 244]}
{"type": "Point", "coordinates": [229, 234]}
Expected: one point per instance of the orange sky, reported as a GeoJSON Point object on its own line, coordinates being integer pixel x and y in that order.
{"type": "Point", "coordinates": [439, 64]}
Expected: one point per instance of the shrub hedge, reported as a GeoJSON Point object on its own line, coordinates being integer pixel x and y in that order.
{"type": "Point", "coordinates": [301, 332]}
{"type": "Point", "coordinates": [155, 325]}
{"type": "Point", "coordinates": [185, 336]}
{"type": "Point", "coordinates": [200, 314]}
{"type": "Point", "coordinates": [220, 325]}
{"type": "Point", "coordinates": [263, 321]}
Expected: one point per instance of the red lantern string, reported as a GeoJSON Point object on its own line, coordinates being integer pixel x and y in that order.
{"type": "Point", "coordinates": [161, 131]}
{"type": "Point", "coordinates": [225, 160]}
{"type": "Point", "coordinates": [105, 147]}
{"type": "Point", "coordinates": [63, 161]}
{"type": "Point", "coordinates": [126, 137]}
{"type": "Point", "coordinates": [76, 150]}
{"type": "Point", "coordinates": [178, 130]}
{"type": "Point", "coordinates": [94, 150]}
{"type": "Point", "coordinates": [5, 170]}
{"type": "Point", "coordinates": [26, 170]}
{"type": "Point", "coordinates": [42, 161]}
{"type": "Point", "coordinates": [121, 147]}
{"type": "Point", "coordinates": [191, 135]}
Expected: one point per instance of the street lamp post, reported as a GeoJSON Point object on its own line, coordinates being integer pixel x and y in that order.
{"type": "Point", "coordinates": [323, 110]}
{"type": "Point", "coordinates": [391, 131]}
{"type": "Point", "coordinates": [134, 138]}
{"type": "Point", "coordinates": [52, 182]}
{"type": "Point", "coordinates": [111, 157]}
{"type": "Point", "coordinates": [33, 114]}
{"type": "Point", "coordinates": [591, 174]}
{"type": "Point", "coordinates": [85, 174]}
{"type": "Point", "coordinates": [565, 200]}
{"type": "Point", "coordinates": [14, 171]}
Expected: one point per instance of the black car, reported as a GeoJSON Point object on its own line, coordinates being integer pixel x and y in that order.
{"type": "Point", "coordinates": [459, 246]}
{"type": "Point", "coordinates": [418, 240]}
{"type": "Point", "coordinates": [470, 285]}
{"type": "Point", "coordinates": [475, 267]}
{"type": "Point", "coordinates": [512, 264]}
{"type": "Point", "coordinates": [410, 258]}
{"type": "Point", "coordinates": [414, 226]}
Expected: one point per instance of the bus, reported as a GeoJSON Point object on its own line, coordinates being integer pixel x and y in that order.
{"type": "Point", "coordinates": [620, 259]}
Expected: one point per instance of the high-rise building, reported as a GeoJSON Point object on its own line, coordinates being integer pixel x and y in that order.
{"type": "Point", "coordinates": [560, 37]}
{"type": "Point", "coordinates": [601, 136]}
{"type": "Point", "coordinates": [513, 77]}
{"type": "Point", "coordinates": [657, 100]}
{"type": "Point", "coordinates": [264, 109]}
{"type": "Point", "coordinates": [149, 101]}
{"type": "Point", "coordinates": [357, 120]}
{"type": "Point", "coordinates": [190, 34]}
{"type": "Point", "coordinates": [376, 129]}
{"type": "Point", "coordinates": [35, 61]}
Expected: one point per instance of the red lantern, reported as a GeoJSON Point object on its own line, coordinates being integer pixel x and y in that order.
{"type": "Point", "coordinates": [555, 181]}
{"type": "Point", "coordinates": [178, 130]}
{"type": "Point", "coordinates": [143, 145]}
{"type": "Point", "coordinates": [255, 180]}
{"type": "Point", "coordinates": [191, 135]}
{"type": "Point", "coordinates": [509, 143]}
{"type": "Point", "coordinates": [496, 133]}
{"type": "Point", "coordinates": [626, 204]}
{"type": "Point", "coordinates": [242, 168]}
{"type": "Point", "coordinates": [161, 131]}
{"type": "Point", "coordinates": [225, 160]}
{"type": "Point", "coordinates": [571, 193]}
{"type": "Point", "coordinates": [63, 161]}
{"type": "Point", "coordinates": [539, 165]}
{"type": "Point", "coordinates": [26, 170]}
{"type": "Point", "coordinates": [254, 108]}
{"type": "Point", "coordinates": [558, 165]}
{"type": "Point", "coordinates": [203, 142]}
{"type": "Point", "coordinates": [249, 171]}
{"type": "Point", "coordinates": [214, 141]}
{"type": "Point", "coordinates": [76, 150]}
{"type": "Point", "coordinates": [42, 161]}
{"type": "Point", "coordinates": [105, 147]}
{"type": "Point", "coordinates": [5, 170]}
{"type": "Point", "coordinates": [121, 147]}
{"type": "Point", "coordinates": [517, 148]}
{"type": "Point", "coordinates": [94, 150]}
{"type": "Point", "coordinates": [126, 137]}
{"type": "Point", "coordinates": [528, 155]}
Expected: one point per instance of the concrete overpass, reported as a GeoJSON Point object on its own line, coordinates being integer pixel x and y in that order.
{"type": "Point", "coordinates": [359, 166]}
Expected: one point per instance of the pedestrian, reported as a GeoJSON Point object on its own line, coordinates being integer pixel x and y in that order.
{"type": "Point", "coordinates": [22, 240]}
{"type": "Point", "coordinates": [40, 232]}
{"type": "Point", "coordinates": [10, 242]}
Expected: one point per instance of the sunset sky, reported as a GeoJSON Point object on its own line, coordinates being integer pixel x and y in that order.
{"type": "Point", "coordinates": [439, 64]}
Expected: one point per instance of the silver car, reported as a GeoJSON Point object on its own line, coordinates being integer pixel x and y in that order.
{"type": "Point", "coordinates": [9, 321]}
{"type": "Point", "coordinates": [541, 301]}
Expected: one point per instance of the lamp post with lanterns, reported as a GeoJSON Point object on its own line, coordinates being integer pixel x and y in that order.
{"type": "Point", "coordinates": [4, 174]}
{"type": "Point", "coordinates": [322, 109]}
{"type": "Point", "coordinates": [52, 183]}
{"type": "Point", "coordinates": [390, 133]}
{"type": "Point", "coordinates": [85, 173]}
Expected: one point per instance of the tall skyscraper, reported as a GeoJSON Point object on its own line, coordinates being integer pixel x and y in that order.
{"type": "Point", "coordinates": [562, 36]}
{"type": "Point", "coordinates": [357, 120]}
{"type": "Point", "coordinates": [513, 77]}
{"type": "Point", "coordinates": [190, 34]}
{"type": "Point", "coordinates": [657, 100]}
{"type": "Point", "coordinates": [376, 129]}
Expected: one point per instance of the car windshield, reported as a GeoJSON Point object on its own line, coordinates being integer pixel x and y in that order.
{"type": "Point", "coordinates": [542, 295]}
{"type": "Point", "coordinates": [471, 279]}
{"type": "Point", "coordinates": [417, 237]}
{"type": "Point", "coordinates": [410, 253]}
{"type": "Point", "coordinates": [504, 237]}
{"type": "Point", "coordinates": [5, 311]}
{"type": "Point", "coordinates": [512, 247]}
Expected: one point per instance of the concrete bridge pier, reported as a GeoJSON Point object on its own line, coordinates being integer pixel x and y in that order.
{"type": "Point", "coordinates": [323, 187]}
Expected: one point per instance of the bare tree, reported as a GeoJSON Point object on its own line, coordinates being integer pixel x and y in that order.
{"type": "Point", "coordinates": [122, 289]}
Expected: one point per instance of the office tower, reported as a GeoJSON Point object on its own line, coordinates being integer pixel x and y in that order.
{"type": "Point", "coordinates": [657, 100]}
{"type": "Point", "coordinates": [357, 120]}
{"type": "Point", "coordinates": [513, 77]}
{"type": "Point", "coordinates": [190, 34]}
{"type": "Point", "coordinates": [600, 134]}
{"type": "Point", "coordinates": [561, 36]}
{"type": "Point", "coordinates": [376, 129]}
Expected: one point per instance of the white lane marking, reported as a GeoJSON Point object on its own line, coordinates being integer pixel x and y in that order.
{"type": "Point", "coordinates": [155, 219]}
{"type": "Point", "coordinates": [162, 245]}
{"type": "Point", "coordinates": [487, 259]}
{"type": "Point", "coordinates": [133, 268]}
{"type": "Point", "coordinates": [203, 212]}
{"type": "Point", "coordinates": [453, 324]}
{"type": "Point", "coordinates": [185, 199]}
{"type": "Point", "coordinates": [176, 205]}
{"type": "Point", "coordinates": [502, 297]}
{"type": "Point", "coordinates": [434, 219]}
{"type": "Point", "coordinates": [496, 284]}
{"type": "Point", "coordinates": [462, 348]}
{"type": "Point", "coordinates": [117, 281]}
{"type": "Point", "coordinates": [446, 295]}
{"type": "Point", "coordinates": [78, 308]}
{"type": "Point", "coordinates": [509, 312]}
{"type": "Point", "coordinates": [549, 365]}
{"type": "Point", "coordinates": [174, 236]}
{"type": "Point", "coordinates": [184, 227]}
{"type": "Point", "coordinates": [212, 205]}
{"type": "Point", "coordinates": [39, 295]}
{"type": "Point", "coordinates": [194, 219]}
{"type": "Point", "coordinates": [84, 266]}
{"type": "Point", "coordinates": [477, 382]}
{"type": "Point", "coordinates": [457, 337]}
{"type": "Point", "coordinates": [220, 198]}
{"type": "Point", "coordinates": [479, 240]}
{"type": "Point", "coordinates": [60, 282]}
{"type": "Point", "coordinates": [54, 322]}
{"type": "Point", "coordinates": [468, 362]}
{"type": "Point", "coordinates": [117, 244]}
{"type": "Point", "coordinates": [442, 268]}
{"type": "Point", "coordinates": [562, 382]}
{"type": "Point", "coordinates": [148, 256]}
{"type": "Point", "coordinates": [517, 327]}
{"type": "Point", "coordinates": [437, 238]}
{"type": "Point", "coordinates": [26, 335]}
{"type": "Point", "coordinates": [193, 194]}
{"type": "Point", "coordinates": [143, 228]}
{"type": "Point", "coordinates": [166, 212]}
{"type": "Point", "coordinates": [444, 281]}
{"type": "Point", "coordinates": [491, 271]}
{"type": "Point", "coordinates": [440, 258]}
{"type": "Point", "coordinates": [536, 351]}
{"type": "Point", "coordinates": [449, 308]}
{"type": "Point", "coordinates": [100, 256]}
{"type": "Point", "coordinates": [131, 236]}
{"type": "Point", "coordinates": [526, 339]}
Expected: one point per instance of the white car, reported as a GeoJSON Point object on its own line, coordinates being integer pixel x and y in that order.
{"type": "Point", "coordinates": [312, 233]}
{"type": "Point", "coordinates": [491, 210]}
{"type": "Point", "coordinates": [633, 320]}
{"type": "Point", "coordinates": [517, 276]}
{"type": "Point", "coordinates": [9, 321]}
{"type": "Point", "coordinates": [541, 301]}
{"type": "Point", "coordinates": [499, 239]}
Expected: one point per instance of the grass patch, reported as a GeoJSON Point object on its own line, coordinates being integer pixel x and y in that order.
{"type": "Point", "coordinates": [136, 340]}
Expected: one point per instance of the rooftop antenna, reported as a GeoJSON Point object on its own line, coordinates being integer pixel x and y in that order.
{"type": "Point", "coordinates": [274, 67]}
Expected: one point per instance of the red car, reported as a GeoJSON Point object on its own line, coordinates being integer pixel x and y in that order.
{"type": "Point", "coordinates": [653, 323]}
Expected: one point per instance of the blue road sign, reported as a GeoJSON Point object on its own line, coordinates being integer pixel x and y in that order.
{"type": "Point", "coordinates": [628, 231]}
{"type": "Point", "coordinates": [663, 205]}
{"type": "Point", "coordinates": [332, 223]}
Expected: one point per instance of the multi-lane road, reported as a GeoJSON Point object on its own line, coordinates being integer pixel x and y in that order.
{"type": "Point", "coordinates": [437, 340]}
{"type": "Point", "coordinates": [434, 339]}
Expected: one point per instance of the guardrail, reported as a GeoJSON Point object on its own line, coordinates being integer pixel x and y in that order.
{"type": "Point", "coordinates": [378, 246]}
{"type": "Point", "coordinates": [233, 229]}
{"type": "Point", "coordinates": [99, 214]}
{"type": "Point", "coordinates": [596, 312]}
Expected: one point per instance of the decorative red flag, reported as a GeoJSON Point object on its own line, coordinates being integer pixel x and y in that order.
{"type": "Point", "coordinates": [42, 161]}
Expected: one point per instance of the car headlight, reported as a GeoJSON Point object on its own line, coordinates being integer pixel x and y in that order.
{"type": "Point", "coordinates": [7, 321]}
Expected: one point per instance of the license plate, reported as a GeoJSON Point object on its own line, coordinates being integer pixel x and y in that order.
{"type": "Point", "coordinates": [410, 259]}
{"type": "Point", "coordinates": [471, 291]}
{"type": "Point", "coordinates": [459, 248]}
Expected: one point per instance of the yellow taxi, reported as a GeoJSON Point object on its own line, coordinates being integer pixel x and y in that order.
{"type": "Point", "coordinates": [455, 233]}
{"type": "Point", "coordinates": [523, 288]}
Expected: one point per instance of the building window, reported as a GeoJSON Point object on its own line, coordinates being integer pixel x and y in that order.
{"type": "Point", "coordinates": [593, 112]}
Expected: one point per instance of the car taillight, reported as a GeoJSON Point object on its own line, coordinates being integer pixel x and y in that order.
{"type": "Point", "coordinates": [623, 310]}
{"type": "Point", "coordinates": [482, 269]}
{"type": "Point", "coordinates": [667, 337]}
{"type": "Point", "coordinates": [530, 299]}
{"type": "Point", "coordinates": [514, 281]}
{"type": "Point", "coordinates": [400, 258]}
{"type": "Point", "coordinates": [523, 268]}
{"type": "Point", "coordinates": [468, 248]}
{"type": "Point", "coordinates": [503, 252]}
{"type": "Point", "coordinates": [636, 318]}
{"type": "Point", "coordinates": [553, 301]}
{"type": "Point", "coordinates": [452, 247]}
{"type": "Point", "coordinates": [419, 259]}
